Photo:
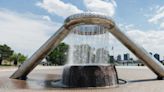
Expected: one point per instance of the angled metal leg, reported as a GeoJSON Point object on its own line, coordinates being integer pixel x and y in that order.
{"type": "Point", "coordinates": [36, 58]}
{"type": "Point", "coordinates": [140, 52]}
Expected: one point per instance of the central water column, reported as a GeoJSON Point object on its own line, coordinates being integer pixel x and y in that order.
{"type": "Point", "coordinates": [88, 61]}
{"type": "Point", "coordinates": [88, 44]}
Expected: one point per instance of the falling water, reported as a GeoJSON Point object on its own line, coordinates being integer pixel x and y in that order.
{"type": "Point", "coordinates": [88, 45]}
{"type": "Point", "coordinates": [88, 58]}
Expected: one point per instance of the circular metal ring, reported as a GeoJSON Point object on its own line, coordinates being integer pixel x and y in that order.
{"type": "Point", "coordinates": [88, 19]}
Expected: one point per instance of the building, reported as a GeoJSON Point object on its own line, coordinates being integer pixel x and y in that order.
{"type": "Point", "coordinates": [111, 59]}
{"type": "Point", "coordinates": [151, 53]}
{"type": "Point", "coordinates": [82, 54]}
{"type": "Point", "coordinates": [126, 56]}
{"type": "Point", "coordinates": [101, 56]}
{"type": "Point", "coordinates": [157, 56]}
{"type": "Point", "coordinates": [119, 58]}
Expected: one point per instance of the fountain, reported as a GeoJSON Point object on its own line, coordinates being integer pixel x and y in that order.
{"type": "Point", "coordinates": [88, 67]}
{"type": "Point", "coordinates": [88, 61]}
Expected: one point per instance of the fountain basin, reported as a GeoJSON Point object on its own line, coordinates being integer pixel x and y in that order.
{"type": "Point", "coordinates": [89, 76]}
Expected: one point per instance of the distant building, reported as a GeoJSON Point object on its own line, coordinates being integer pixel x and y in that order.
{"type": "Point", "coordinates": [82, 54]}
{"type": "Point", "coordinates": [126, 56]}
{"type": "Point", "coordinates": [150, 53]}
{"type": "Point", "coordinates": [131, 59]}
{"type": "Point", "coordinates": [157, 56]}
{"type": "Point", "coordinates": [111, 59]}
{"type": "Point", "coordinates": [119, 58]}
{"type": "Point", "coordinates": [101, 56]}
{"type": "Point", "coordinates": [162, 61]}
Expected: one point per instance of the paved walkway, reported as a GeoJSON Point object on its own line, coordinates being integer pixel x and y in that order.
{"type": "Point", "coordinates": [140, 79]}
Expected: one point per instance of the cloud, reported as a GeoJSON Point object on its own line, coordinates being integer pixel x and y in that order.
{"type": "Point", "coordinates": [158, 17]}
{"type": "Point", "coordinates": [59, 8]}
{"type": "Point", "coordinates": [162, 25]}
{"type": "Point", "coordinates": [63, 9]}
{"type": "Point", "coordinates": [151, 40]}
{"type": "Point", "coordinates": [127, 27]}
{"type": "Point", "coordinates": [24, 33]}
{"type": "Point", "coordinates": [47, 18]}
{"type": "Point", "coordinates": [101, 6]}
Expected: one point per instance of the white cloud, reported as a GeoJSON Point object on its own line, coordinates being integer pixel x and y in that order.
{"type": "Point", "coordinates": [24, 33]}
{"type": "Point", "coordinates": [162, 25]}
{"type": "Point", "coordinates": [126, 27]}
{"type": "Point", "coordinates": [63, 9]}
{"type": "Point", "coordinates": [160, 9]}
{"type": "Point", "coordinates": [151, 40]}
{"type": "Point", "coordinates": [158, 17]}
{"type": "Point", "coordinates": [59, 8]}
{"type": "Point", "coordinates": [101, 6]}
{"type": "Point", "coordinates": [47, 18]}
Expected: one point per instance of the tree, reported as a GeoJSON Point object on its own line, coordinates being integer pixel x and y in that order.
{"type": "Point", "coordinates": [59, 55]}
{"type": "Point", "coordinates": [18, 58]}
{"type": "Point", "coordinates": [5, 52]}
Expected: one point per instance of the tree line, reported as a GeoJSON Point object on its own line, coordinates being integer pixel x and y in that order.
{"type": "Point", "coordinates": [57, 56]}
{"type": "Point", "coordinates": [9, 55]}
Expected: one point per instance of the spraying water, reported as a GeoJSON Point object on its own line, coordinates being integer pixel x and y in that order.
{"type": "Point", "coordinates": [88, 45]}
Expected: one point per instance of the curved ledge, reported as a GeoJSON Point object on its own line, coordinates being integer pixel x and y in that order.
{"type": "Point", "coordinates": [88, 18]}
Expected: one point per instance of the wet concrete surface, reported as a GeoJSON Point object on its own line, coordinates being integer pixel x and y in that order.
{"type": "Point", "coordinates": [41, 80]}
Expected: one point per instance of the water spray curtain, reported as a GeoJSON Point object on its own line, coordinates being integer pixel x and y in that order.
{"type": "Point", "coordinates": [88, 45]}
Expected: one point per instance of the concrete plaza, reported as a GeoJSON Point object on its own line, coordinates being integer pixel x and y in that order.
{"type": "Point", "coordinates": [140, 79]}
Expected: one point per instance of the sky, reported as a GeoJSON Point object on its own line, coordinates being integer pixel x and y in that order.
{"type": "Point", "coordinates": [26, 24]}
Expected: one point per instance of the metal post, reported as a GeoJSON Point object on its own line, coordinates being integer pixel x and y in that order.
{"type": "Point", "coordinates": [140, 52]}
{"type": "Point", "coordinates": [36, 58]}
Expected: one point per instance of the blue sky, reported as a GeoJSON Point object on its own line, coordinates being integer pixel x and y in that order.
{"type": "Point", "coordinates": [127, 11]}
{"type": "Point", "coordinates": [135, 17]}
